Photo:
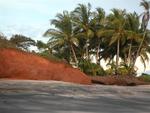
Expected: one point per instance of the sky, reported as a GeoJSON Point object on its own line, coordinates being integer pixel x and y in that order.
{"type": "Point", "coordinates": [32, 17]}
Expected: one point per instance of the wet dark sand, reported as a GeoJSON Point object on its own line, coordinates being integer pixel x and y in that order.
{"type": "Point", "coordinates": [20, 96]}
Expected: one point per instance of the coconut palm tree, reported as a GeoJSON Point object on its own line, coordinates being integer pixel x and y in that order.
{"type": "Point", "coordinates": [116, 32]}
{"type": "Point", "coordinates": [97, 24]}
{"type": "Point", "coordinates": [133, 36]}
{"type": "Point", "coordinates": [63, 35]}
{"type": "Point", "coordinates": [146, 14]}
{"type": "Point", "coordinates": [145, 19]}
{"type": "Point", "coordinates": [82, 20]}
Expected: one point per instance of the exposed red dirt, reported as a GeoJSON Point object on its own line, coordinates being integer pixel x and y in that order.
{"type": "Point", "coordinates": [16, 64]}
{"type": "Point", "coordinates": [118, 80]}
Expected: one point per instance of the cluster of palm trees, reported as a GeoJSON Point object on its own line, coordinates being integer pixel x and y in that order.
{"type": "Point", "coordinates": [119, 36]}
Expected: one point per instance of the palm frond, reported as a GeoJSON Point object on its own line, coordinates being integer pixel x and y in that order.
{"type": "Point", "coordinates": [52, 32]}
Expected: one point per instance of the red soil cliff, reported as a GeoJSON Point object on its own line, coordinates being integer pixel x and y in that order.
{"type": "Point", "coordinates": [17, 64]}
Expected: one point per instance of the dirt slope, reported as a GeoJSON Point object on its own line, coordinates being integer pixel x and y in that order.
{"type": "Point", "coordinates": [118, 80]}
{"type": "Point", "coordinates": [17, 64]}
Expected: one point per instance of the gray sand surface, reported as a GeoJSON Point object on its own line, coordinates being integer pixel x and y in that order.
{"type": "Point", "coordinates": [28, 96]}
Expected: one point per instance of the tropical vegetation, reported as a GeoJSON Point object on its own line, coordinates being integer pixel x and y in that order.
{"type": "Point", "coordinates": [118, 38]}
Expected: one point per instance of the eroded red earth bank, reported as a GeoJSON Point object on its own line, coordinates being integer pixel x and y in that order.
{"type": "Point", "coordinates": [15, 64]}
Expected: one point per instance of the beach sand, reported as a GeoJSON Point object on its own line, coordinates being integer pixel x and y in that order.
{"type": "Point", "coordinates": [29, 96]}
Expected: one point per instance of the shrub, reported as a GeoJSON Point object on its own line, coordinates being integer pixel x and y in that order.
{"type": "Point", "coordinates": [47, 55]}
{"type": "Point", "coordinates": [145, 77]}
{"type": "Point", "coordinates": [91, 68]}
{"type": "Point", "coordinates": [123, 71]}
{"type": "Point", "coordinates": [109, 71]}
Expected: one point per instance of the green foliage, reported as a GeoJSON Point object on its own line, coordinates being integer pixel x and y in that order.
{"type": "Point", "coordinates": [41, 45]}
{"type": "Point", "coordinates": [63, 40]}
{"type": "Point", "coordinates": [82, 33]}
{"type": "Point", "coordinates": [109, 71]}
{"type": "Point", "coordinates": [17, 42]}
{"type": "Point", "coordinates": [122, 70]}
{"type": "Point", "coordinates": [46, 54]}
{"type": "Point", "coordinates": [22, 42]}
{"type": "Point", "coordinates": [91, 68]}
{"type": "Point", "coordinates": [5, 43]}
{"type": "Point", "coordinates": [145, 77]}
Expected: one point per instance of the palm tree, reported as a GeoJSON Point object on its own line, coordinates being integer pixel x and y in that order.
{"type": "Point", "coordinates": [146, 14]}
{"type": "Point", "coordinates": [133, 36]}
{"type": "Point", "coordinates": [97, 24]}
{"type": "Point", "coordinates": [82, 20]}
{"type": "Point", "coordinates": [145, 20]}
{"type": "Point", "coordinates": [115, 30]}
{"type": "Point", "coordinates": [63, 35]}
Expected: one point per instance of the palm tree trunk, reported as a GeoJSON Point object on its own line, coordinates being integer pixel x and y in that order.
{"type": "Point", "coordinates": [130, 59]}
{"type": "Point", "coordinates": [87, 53]}
{"type": "Point", "coordinates": [138, 52]}
{"type": "Point", "coordinates": [87, 50]}
{"type": "Point", "coordinates": [50, 51]}
{"type": "Point", "coordinates": [117, 57]}
{"type": "Point", "coordinates": [97, 54]}
{"type": "Point", "coordinates": [129, 55]}
{"type": "Point", "coordinates": [74, 55]}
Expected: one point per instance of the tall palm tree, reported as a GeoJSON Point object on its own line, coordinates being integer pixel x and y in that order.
{"type": "Point", "coordinates": [82, 20]}
{"type": "Point", "coordinates": [146, 14]}
{"type": "Point", "coordinates": [97, 24]}
{"type": "Point", "coordinates": [63, 35]}
{"type": "Point", "coordinates": [133, 36]}
{"type": "Point", "coordinates": [115, 30]}
{"type": "Point", "coordinates": [145, 19]}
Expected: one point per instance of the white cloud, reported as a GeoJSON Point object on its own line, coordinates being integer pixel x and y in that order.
{"type": "Point", "coordinates": [34, 31]}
